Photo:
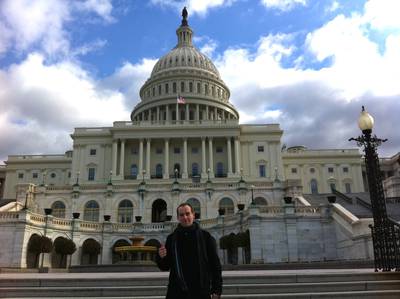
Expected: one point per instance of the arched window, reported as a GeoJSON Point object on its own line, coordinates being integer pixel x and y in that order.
{"type": "Point", "coordinates": [159, 211]}
{"type": "Point", "coordinates": [159, 171]}
{"type": "Point", "coordinates": [125, 211]}
{"type": "Point", "coordinates": [260, 201]}
{"type": "Point", "coordinates": [195, 169]}
{"type": "Point", "coordinates": [347, 187]}
{"type": "Point", "coordinates": [220, 170]}
{"type": "Point", "coordinates": [90, 252]}
{"type": "Point", "coordinates": [91, 211]}
{"type": "Point", "coordinates": [227, 204]}
{"type": "Point", "coordinates": [134, 171]}
{"type": "Point", "coordinates": [58, 208]}
{"type": "Point", "coordinates": [314, 186]}
{"type": "Point", "coordinates": [196, 206]}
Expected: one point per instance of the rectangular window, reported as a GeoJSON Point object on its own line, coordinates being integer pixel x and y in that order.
{"type": "Point", "coordinates": [93, 152]}
{"type": "Point", "coordinates": [294, 170]}
{"type": "Point", "coordinates": [159, 90]}
{"type": "Point", "coordinates": [198, 88]}
{"type": "Point", "coordinates": [174, 87]}
{"type": "Point", "coordinates": [195, 150]}
{"type": "Point", "coordinates": [20, 175]}
{"type": "Point", "coordinates": [182, 86]}
{"type": "Point", "coordinates": [190, 87]}
{"type": "Point", "coordinates": [345, 169]}
{"type": "Point", "coordinates": [69, 175]}
{"type": "Point", "coordinates": [330, 169]}
{"type": "Point", "coordinates": [91, 174]}
{"type": "Point", "coordinates": [134, 150]}
{"type": "Point", "coordinates": [35, 175]}
{"type": "Point", "coordinates": [177, 150]}
{"type": "Point", "coordinates": [159, 150]}
{"type": "Point", "coordinates": [219, 149]}
{"type": "Point", "coordinates": [260, 148]}
{"type": "Point", "coordinates": [166, 88]}
{"type": "Point", "coordinates": [261, 170]}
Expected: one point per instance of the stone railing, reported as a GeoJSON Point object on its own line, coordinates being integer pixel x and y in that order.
{"type": "Point", "coordinates": [9, 216]}
{"type": "Point", "coordinates": [307, 210]}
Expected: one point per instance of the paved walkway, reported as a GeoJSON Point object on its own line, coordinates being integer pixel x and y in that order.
{"type": "Point", "coordinates": [55, 275]}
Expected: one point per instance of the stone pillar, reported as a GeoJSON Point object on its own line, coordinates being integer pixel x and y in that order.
{"type": "Point", "coordinates": [215, 113]}
{"type": "Point", "coordinates": [122, 159]}
{"type": "Point", "coordinates": [210, 157]}
{"type": "Point", "coordinates": [203, 158]}
{"type": "Point", "coordinates": [237, 156]}
{"type": "Point", "coordinates": [166, 159]}
{"type": "Point", "coordinates": [197, 112]}
{"type": "Point", "coordinates": [142, 116]}
{"type": "Point", "coordinates": [187, 112]}
{"type": "Point", "coordinates": [228, 145]}
{"type": "Point", "coordinates": [114, 157]}
{"type": "Point", "coordinates": [158, 114]}
{"type": "Point", "coordinates": [206, 118]}
{"type": "Point", "coordinates": [167, 112]}
{"type": "Point", "coordinates": [140, 157]}
{"type": "Point", "coordinates": [185, 159]}
{"type": "Point", "coordinates": [177, 111]}
{"type": "Point", "coordinates": [148, 157]}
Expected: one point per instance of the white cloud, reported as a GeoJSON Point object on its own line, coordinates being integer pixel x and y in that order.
{"type": "Point", "coordinates": [335, 5]}
{"type": "Point", "coordinates": [43, 103]}
{"type": "Point", "coordinates": [199, 7]}
{"type": "Point", "coordinates": [383, 14]}
{"type": "Point", "coordinates": [40, 24]}
{"type": "Point", "coordinates": [283, 5]}
{"type": "Point", "coordinates": [312, 104]}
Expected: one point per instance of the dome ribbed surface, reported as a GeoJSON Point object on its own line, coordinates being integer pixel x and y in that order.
{"type": "Point", "coordinates": [184, 57]}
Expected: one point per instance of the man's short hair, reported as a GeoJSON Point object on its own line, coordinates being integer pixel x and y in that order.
{"type": "Point", "coordinates": [182, 205]}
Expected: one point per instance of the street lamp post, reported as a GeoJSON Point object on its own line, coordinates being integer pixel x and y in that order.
{"type": "Point", "coordinates": [142, 191]}
{"type": "Point", "coordinates": [385, 232]}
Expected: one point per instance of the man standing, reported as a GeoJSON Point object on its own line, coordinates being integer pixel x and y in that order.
{"type": "Point", "coordinates": [190, 253]}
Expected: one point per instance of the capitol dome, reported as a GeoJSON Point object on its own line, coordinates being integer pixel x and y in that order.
{"type": "Point", "coordinates": [188, 74]}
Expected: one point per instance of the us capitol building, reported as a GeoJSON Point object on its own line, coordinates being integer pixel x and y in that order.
{"type": "Point", "coordinates": [184, 143]}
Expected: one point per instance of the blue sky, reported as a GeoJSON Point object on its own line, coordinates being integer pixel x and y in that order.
{"type": "Point", "coordinates": [307, 65]}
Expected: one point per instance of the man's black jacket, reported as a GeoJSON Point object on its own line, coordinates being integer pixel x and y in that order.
{"type": "Point", "coordinates": [195, 269]}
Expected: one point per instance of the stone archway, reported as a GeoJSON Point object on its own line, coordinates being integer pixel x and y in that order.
{"type": "Point", "coordinates": [159, 211]}
{"type": "Point", "coordinates": [90, 252]}
{"type": "Point", "coordinates": [116, 256]}
{"type": "Point", "coordinates": [32, 255]}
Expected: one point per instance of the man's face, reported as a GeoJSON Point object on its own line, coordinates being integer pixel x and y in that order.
{"type": "Point", "coordinates": [185, 216]}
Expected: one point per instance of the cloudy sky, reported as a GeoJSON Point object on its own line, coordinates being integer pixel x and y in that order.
{"type": "Point", "coordinates": [305, 64]}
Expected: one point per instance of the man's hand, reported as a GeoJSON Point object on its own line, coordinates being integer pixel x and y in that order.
{"type": "Point", "coordinates": [162, 251]}
{"type": "Point", "coordinates": [215, 296]}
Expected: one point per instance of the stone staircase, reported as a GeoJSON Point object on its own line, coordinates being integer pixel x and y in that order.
{"type": "Point", "coordinates": [343, 283]}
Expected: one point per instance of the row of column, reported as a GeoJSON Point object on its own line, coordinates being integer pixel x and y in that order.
{"type": "Point", "coordinates": [166, 174]}
{"type": "Point", "coordinates": [209, 113]}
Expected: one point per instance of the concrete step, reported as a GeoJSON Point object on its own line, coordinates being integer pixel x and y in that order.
{"type": "Point", "coordinates": [244, 289]}
{"type": "Point", "coordinates": [324, 295]}
{"type": "Point", "coordinates": [356, 283]}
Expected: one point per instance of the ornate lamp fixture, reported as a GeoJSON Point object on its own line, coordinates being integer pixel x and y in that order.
{"type": "Point", "coordinates": [385, 232]}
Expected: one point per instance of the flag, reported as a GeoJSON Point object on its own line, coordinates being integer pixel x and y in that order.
{"type": "Point", "coordinates": [180, 100]}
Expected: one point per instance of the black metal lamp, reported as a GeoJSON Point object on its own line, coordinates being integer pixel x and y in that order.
{"type": "Point", "coordinates": [385, 232]}
{"type": "Point", "coordinates": [175, 184]}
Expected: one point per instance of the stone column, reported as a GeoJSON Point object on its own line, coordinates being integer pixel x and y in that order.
{"type": "Point", "coordinates": [187, 112]}
{"type": "Point", "coordinates": [203, 158]}
{"type": "Point", "coordinates": [142, 116]}
{"type": "Point", "coordinates": [166, 159]}
{"type": "Point", "coordinates": [122, 159]}
{"type": "Point", "coordinates": [148, 157]}
{"type": "Point", "coordinates": [140, 157]}
{"type": "Point", "coordinates": [206, 118]}
{"type": "Point", "coordinates": [237, 156]}
{"type": "Point", "coordinates": [167, 112]}
{"type": "Point", "coordinates": [177, 112]}
{"type": "Point", "coordinates": [197, 112]}
{"type": "Point", "coordinates": [158, 113]}
{"type": "Point", "coordinates": [228, 145]}
{"type": "Point", "coordinates": [185, 160]}
{"type": "Point", "coordinates": [215, 113]}
{"type": "Point", "coordinates": [114, 157]}
{"type": "Point", "coordinates": [210, 157]}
